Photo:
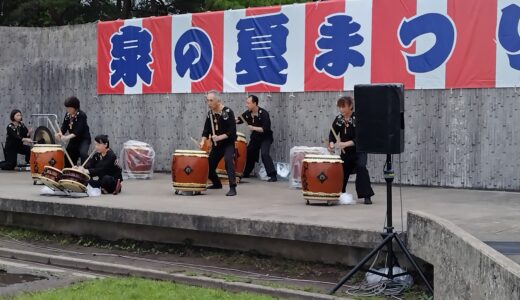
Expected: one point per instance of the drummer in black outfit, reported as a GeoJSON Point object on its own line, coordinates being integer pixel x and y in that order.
{"type": "Point", "coordinates": [223, 136]}
{"type": "Point", "coordinates": [17, 136]}
{"type": "Point", "coordinates": [259, 123]}
{"type": "Point", "coordinates": [75, 130]}
{"type": "Point", "coordinates": [344, 126]}
{"type": "Point", "coordinates": [103, 169]}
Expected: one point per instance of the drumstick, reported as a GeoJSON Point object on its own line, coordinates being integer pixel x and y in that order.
{"type": "Point", "coordinates": [57, 127]}
{"type": "Point", "coordinates": [64, 148]}
{"type": "Point", "coordinates": [326, 145]}
{"type": "Point", "coordinates": [336, 137]}
{"type": "Point", "coordinates": [212, 127]}
{"type": "Point", "coordinates": [86, 160]}
{"type": "Point", "coordinates": [195, 141]}
{"type": "Point", "coordinates": [68, 156]}
{"type": "Point", "coordinates": [243, 120]}
{"type": "Point", "coordinates": [52, 127]}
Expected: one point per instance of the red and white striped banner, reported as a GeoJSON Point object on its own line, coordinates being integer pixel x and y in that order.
{"type": "Point", "coordinates": [317, 46]}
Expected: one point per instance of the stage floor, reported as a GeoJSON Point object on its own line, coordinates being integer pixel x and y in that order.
{"type": "Point", "coordinates": [488, 215]}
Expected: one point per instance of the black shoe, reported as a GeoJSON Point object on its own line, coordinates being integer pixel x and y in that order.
{"type": "Point", "coordinates": [117, 190]}
{"type": "Point", "coordinates": [232, 191]}
{"type": "Point", "coordinates": [368, 201]}
{"type": "Point", "coordinates": [272, 179]}
{"type": "Point", "coordinates": [245, 176]}
{"type": "Point", "coordinates": [215, 187]}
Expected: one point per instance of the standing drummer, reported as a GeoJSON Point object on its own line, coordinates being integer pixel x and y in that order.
{"type": "Point", "coordinates": [259, 124]}
{"type": "Point", "coordinates": [220, 129]}
{"type": "Point", "coordinates": [75, 130]}
{"type": "Point", "coordinates": [344, 127]}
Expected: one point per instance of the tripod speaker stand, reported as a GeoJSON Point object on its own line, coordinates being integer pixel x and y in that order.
{"type": "Point", "coordinates": [379, 110]}
{"type": "Point", "coordinates": [388, 237]}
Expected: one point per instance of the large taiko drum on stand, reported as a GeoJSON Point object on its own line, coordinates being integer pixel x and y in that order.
{"type": "Point", "coordinates": [74, 180]}
{"type": "Point", "coordinates": [190, 170]}
{"type": "Point", "coordinates": [322, 178]}
{"type": "Point", "coordinates": [240, 158]}
{"type": "Point", "coordinates": [45, 155]}
{"type": "Point", "coordinates": [51, 177]}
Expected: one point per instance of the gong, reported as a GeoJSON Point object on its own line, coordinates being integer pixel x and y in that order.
{"type": "Point", "coordinates": [42, 135]}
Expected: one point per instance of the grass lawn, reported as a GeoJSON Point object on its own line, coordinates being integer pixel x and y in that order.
{"type": "Point", "coordinates": [135, 288]}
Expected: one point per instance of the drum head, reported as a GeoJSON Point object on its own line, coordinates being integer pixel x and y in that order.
{"type": "Point", "coordinates": [241, 137]}
{"type": "Point", "coordinates": [53, 185]}
{"type": "Point", "coordinates": [195, 153]}
{"type": "Point", "coordinates": [73, 186]}
{"type": "Point", "coordinates": [313, 158]}
{"type": "Point", "coordinates": [77, 174]}
{"type": "Point", "coordinates": [52, 169]}
{"type": "Point", "coordinates": [318, 156]}
{"type": "Point", "coordinates": [42, 135]}
{"type": "Point", "coordinates": [42, 148]}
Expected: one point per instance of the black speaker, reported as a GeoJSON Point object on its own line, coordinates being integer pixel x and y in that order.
{"type": "Point", "coordinates": [379, 118]}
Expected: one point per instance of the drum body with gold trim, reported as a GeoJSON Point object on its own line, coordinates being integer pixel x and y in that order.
{"type": "Point", "coordinates": [74, 180]}
{"type": "Point", "coordinates": [51, 177]}
{"type": "Point", "coordinates": [240, 158]}
{"type": "Point", "coordinates": [46, 155]}
{"type": "Point", "coordinates": [322, 177]}
{"type": "Point", "coordinates": [190, 170]}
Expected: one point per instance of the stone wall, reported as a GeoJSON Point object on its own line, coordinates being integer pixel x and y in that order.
{"type": "Point", "coordinates": [453, 138]}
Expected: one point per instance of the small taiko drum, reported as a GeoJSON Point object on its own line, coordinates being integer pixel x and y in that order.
{"type": "Point", "coordinates": [322, 177]}
{"type": "Point", "coordinates": [240, 158]}
{"type": "Point", "coordinates": [74, 180]}
{"type": "Point", "coordinates": [51, 178]}
{"type": "Point", "coordinates": [46, 155]}
{"type": "Point", "coordinates": [190, 170]}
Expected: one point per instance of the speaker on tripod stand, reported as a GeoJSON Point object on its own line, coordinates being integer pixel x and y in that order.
{"type": "Point", "coordinates": [380, 130]}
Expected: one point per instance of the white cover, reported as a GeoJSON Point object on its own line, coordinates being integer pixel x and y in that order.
{"type": "Point", "coordinates": [137, 160]}
{"type": "Point", "coordinates": [297, 154]}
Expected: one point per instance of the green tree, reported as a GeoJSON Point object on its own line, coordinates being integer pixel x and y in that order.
{"type": "Point", "coordinates": [236, 4]}
{"type": "Point", "coordinates": [64, 12]}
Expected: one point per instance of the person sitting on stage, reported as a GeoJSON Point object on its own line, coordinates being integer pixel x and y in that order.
{"type": "Point", "coordinates": [75, 123]}
{"type": "Point", "coordinates": [103, 169]}
{"type": "Point", "coordinates": [344, 127]}
{"type": "Point", "coordinates": [17, 136]}
{"type": "Point", "coordinates": [220, 124]}
{"type": "Point", "coordinates": [259, 123]}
